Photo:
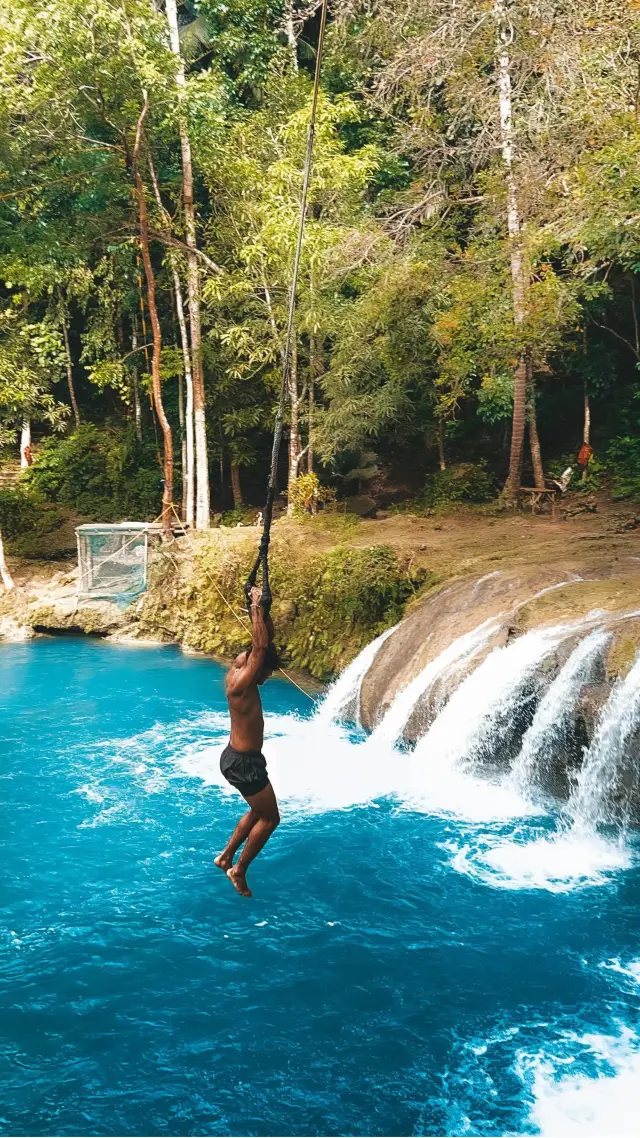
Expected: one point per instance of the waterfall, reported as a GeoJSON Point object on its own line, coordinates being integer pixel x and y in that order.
{"type": "Point", "coordinates": [345, 691]}
{"type": "Point", "coordinates": [482, 707]}
{"type": "Point", "coordinates": [556, 707]}
{"type": "Point", "coordinates": [460, 651]}
{"type": "Point", "coordinates": [618, 721]}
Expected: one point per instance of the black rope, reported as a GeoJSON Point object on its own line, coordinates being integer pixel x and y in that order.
{"type": "Point", "coordinates": [262, 560]}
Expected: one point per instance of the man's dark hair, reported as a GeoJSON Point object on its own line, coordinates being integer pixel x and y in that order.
{"type": "Point", "coordinates": [271, 659]}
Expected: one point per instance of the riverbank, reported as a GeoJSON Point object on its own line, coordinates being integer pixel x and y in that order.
{"type": "Point", "coordinates": [337, 581]}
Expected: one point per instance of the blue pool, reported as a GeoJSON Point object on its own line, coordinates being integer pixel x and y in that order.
{"type": "Point", "coordinates": [396, 973]}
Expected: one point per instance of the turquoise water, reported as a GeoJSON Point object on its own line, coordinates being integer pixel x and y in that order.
{"type": "Point", "coordinates": [395, 974]}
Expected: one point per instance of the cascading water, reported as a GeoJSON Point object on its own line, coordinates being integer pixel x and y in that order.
{"type": "Point", "coordinates": [601, 769]}
{"type": "Point", "coordinates": [460, 651]}
{"type": "Point", "coordinates": [475, 717]}
{"type": "Point", "coordinates": [555, 709]}
{"type": "Point", "coordinates": [342, 697]}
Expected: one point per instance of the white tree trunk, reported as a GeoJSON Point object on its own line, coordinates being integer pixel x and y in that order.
{"type": "Point", "coordinates": [25, 444]}
{"type": "Point", "coordinates": [515, 244]}
{"type": "Point", "coordinates": [202, 504]}
{"type": "Point", "coordinates": [290, 33]}
{"type": "Point", "coordinates": [188, 468]}
{"type": "Point", "coordinates": [586, 427]}
{"type": "Point", "coordinates": [5, 575]}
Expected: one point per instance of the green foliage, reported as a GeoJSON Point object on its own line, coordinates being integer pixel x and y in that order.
{"type": "Point", "coordinates": [20, 510]}
{"type": "Point", "coordinates": [238, 516]}
{"type": "Point", "coordinates": [345, 598]}
{"type": "Point", "coordinates": [328, 605]}
{"type": "Point", "coordinates": [464, 482]}
{"type": "Point", "coordinates": [28, 522]}
{"type": "Point", "coordinates": [623, 461]}
{"type": "Point", "coordinates": [306, 493]}
{"type": "Point", "coordinates": [103, 474]}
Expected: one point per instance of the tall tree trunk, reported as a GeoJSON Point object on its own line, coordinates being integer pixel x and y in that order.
{"type": "Point", "coordinates": [586, 424]}
{"type": "Point", "coordinates": [290, 33]}
{"type": "Point", "coordinates": [515, 246]}
{"type": "Point", "coordinates": [137, 409]}
{"type": "Point", "coordinates": [183, 448]}
{"type": "Point", "coordinates": [441, 455]}
{"type": "Point", "coordinates": [25, 445]}
{"type": "Point", "coordinates": [186, 422]}
{"type": "Point", "coordinates": [295, 448]}
{"type": "Point", "coordinates": [72, 390]}
{"type": "Point", "coordinates": [5, 576]}
{"type": "Point", "coordinates": [238, 501]}
{"type": "Point", "coordinates": [312, 409]}
{"type": "Point", "coordinates": [536, 453]}
{"type": "Point", "coordinates": [221, 436]}
{"type": "Point", "coordinates": [167, 494]}
{"type": "Point", "coordinates": [534, 439]}
{"type": "Point", "coordinates": [202, 505]}
{"type": "Point", "coordinates": [189, 465]}
{"type": "Point", "coordinates": [316, 369]}
{"type": "Point", "coordinates": [586, 430]}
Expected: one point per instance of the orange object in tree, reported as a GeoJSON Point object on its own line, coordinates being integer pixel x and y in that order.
{"type": "Point", "coordinates": [584, 454]}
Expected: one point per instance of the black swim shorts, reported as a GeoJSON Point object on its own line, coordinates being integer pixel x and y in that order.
{"type": "Point", "coordinates": [246, 770]}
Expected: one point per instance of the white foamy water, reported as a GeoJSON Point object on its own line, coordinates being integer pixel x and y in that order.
{"type": "Point", "coordinates": [568, 1102]}
{"type": "Point", "coordinates": [489, 695]}
{"type": "Point", "coordinates": [459, 651]}
{"type": "Point", "coordinates": [556, 707]}
{"type": "Point", "coordinates": [346, 689]}
{"type": "Point", "coordinates": [618, 721]}
{"type": "Point", "coordinates": [558, 863]}
{"type": "Point", "coordinates": [314, 767]}
{"type": "Point", "coordinates": [317, 765]}
{"type": "Point", "coordinates": [630, 969]}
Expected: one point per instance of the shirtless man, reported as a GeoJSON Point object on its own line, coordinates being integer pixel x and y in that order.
{"type": "Point", "coordinates": [242, 762]}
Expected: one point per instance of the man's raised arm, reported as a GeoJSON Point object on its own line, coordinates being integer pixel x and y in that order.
{"type": "Point", "coordinates": [261, 637]}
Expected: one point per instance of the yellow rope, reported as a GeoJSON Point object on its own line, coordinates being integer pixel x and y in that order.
{"type": "Point", "coordinates": [241, 620]}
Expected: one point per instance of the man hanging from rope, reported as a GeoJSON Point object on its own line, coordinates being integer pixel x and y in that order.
{"type": "Point", "coordinates": [242, 762]}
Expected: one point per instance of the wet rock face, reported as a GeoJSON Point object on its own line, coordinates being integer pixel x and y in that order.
{"type": "Point", "coordinates": [442, 617]}
{"type": "Point", "coordinates": [509, 605]}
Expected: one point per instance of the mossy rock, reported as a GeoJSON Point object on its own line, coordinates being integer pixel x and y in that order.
{"type": "Point", "coordinates": [328, 604]}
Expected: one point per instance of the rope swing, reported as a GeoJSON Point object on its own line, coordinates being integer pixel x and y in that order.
{"type": "Point", "coordinates": [262, 560]}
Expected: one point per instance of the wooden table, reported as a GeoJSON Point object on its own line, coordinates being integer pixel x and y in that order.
{"type": "Point", "coordinates": [537, 497]}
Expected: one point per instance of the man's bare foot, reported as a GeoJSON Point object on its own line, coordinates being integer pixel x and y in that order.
{"type": "Point", "coordinates": [239, 882]}
{"type": "Point", "coordinates": [223, 862]}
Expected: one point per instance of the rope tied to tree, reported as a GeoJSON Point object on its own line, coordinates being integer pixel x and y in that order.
{"type": "Point", "coordinates": [262, 559]}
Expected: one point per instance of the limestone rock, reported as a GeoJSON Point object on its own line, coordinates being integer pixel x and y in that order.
{"type": "Point", "coordinates": [445, 614]}
{"type": "Point", "coordinates": [13, 629]}
{"type": "Point", "coordinates": [66, 614]}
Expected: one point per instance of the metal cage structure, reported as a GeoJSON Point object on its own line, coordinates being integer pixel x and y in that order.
{"type": "Point", "coordinates": [113, 560]}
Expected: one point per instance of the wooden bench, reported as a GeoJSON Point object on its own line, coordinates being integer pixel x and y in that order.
{"type": "Point", "coordinates": [537, 497]}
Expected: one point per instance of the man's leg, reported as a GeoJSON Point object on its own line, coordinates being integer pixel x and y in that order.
{"type": "Point", "coordinates": [265, 806]}
{"type": "Point", "coordinates": [240, 834]}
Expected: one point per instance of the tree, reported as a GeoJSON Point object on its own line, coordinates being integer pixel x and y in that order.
{"type": "Point", "coordinates": [256, 183]}
{"type": "Point", "coordinates": [202, 509]}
